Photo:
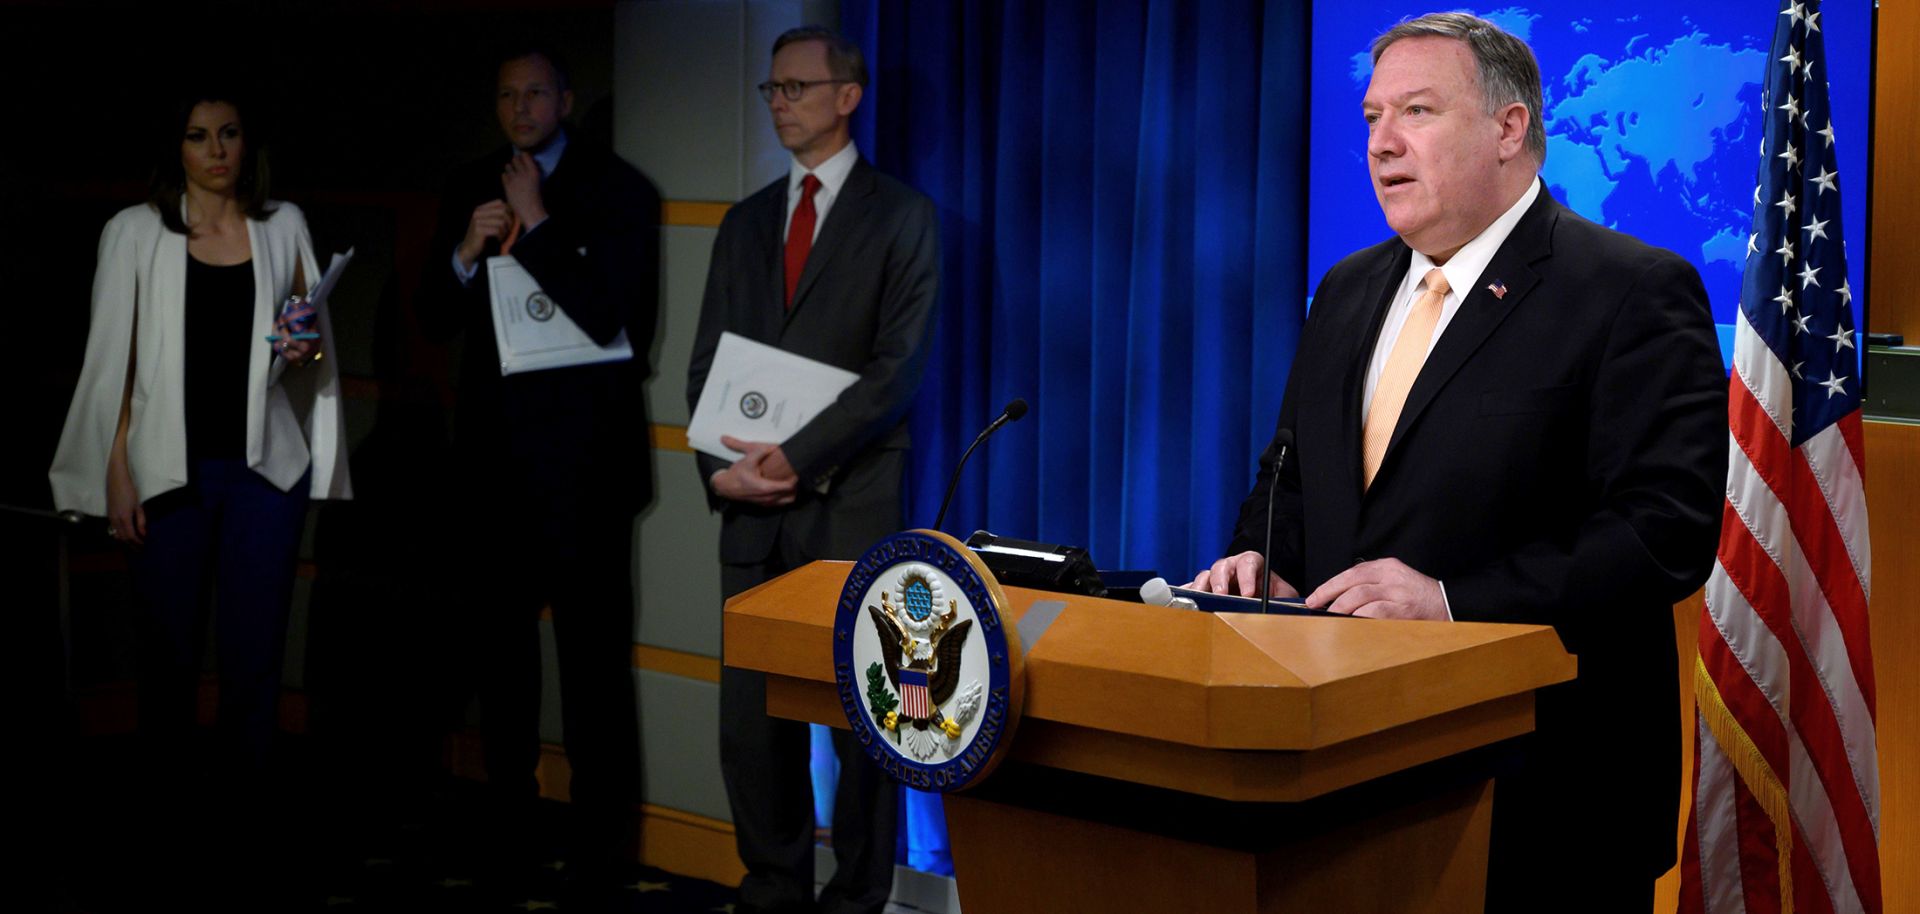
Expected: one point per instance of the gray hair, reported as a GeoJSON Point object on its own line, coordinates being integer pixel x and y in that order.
{"type": "Point", "coordinates": [1507, 69]}
{"type": "Point", "coordinates": [844, 59]}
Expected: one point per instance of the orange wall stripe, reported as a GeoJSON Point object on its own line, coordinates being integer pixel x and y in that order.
{"type": "Point", "coordinates": [670, 438]}
{"type": "Point", "coordinates": [677, 663]}
{"type": "Point", "coordinates": [694, 213]}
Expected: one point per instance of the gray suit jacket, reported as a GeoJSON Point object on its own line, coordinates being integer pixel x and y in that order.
{"type": "Point", "coordinates": [865, 303]}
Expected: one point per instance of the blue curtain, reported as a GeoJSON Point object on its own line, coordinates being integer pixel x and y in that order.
{"type": "Point", "coordinates": [1122, 189]}
{"type": "Point", "coordinates": [1122, 194]}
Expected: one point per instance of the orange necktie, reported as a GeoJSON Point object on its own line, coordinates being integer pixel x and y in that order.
{"type": "Point", "coordinates": [513, 235]}
{"type": "Point", "coordinates": [1396, 377]}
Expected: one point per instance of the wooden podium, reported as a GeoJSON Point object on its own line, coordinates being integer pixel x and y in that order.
{"type": "Point", "coordinates": [1172, 760]}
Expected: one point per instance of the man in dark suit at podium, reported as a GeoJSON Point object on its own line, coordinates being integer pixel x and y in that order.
{"type": "Point", "coordinates": [840, 264]}
{"type": "Point", "coordinates": [1507, 414]}
{"type": "Point", "coordinates": [554, 464]}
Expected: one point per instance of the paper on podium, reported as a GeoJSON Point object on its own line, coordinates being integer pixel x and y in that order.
{"type": "Point", "coordinates": [756, 392]}
{"type": "Point", "coordinates": [532, 332]}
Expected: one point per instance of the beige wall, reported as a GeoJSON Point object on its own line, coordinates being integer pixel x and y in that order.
{"type": "Point", "coordinates": [684, 112]}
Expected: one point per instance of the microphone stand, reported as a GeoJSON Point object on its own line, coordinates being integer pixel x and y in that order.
{"type": "Point", "coordinates": [1266, 555]}
{"type": "Point", "coordinates": [1012, 413]}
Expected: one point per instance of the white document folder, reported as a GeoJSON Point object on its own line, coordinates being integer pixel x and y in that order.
{"type": "Point", "coordinates": [532, 332]}
{"type": "Point", "coordinates": [757, 392]}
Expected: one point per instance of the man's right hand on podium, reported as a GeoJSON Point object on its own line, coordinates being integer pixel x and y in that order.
{"type": "Point", "coordinates": [1239, 575]}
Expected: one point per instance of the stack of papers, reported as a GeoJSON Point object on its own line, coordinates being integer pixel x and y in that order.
{"type": "Point", "coordinates": [756, 392]}
{"type": "Point", "coordinates": [533, 333]}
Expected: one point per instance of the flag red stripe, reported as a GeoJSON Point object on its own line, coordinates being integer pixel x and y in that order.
{"type": "Point", "coordinates": [1826, 549]}
{"type": "Point", "coordinates": [1753, 428]}
{"type": "Point", "coordinates": [1759, 866]}
{"type": "Point", "coordinates": [1748, 704]}
{"type": "Point", "coordinates": [1809, 890]}
{"type": "Point", "coordinates": [1856, 444]}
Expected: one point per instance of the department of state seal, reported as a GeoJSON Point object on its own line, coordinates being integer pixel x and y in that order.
{"type": "Point", "coordinates": [927, 673]}
{"type": "Point", "coordinates": [539, 306]}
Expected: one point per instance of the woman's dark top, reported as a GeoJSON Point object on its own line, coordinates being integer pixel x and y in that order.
{"type": "Point", "coordinates": [219, 331]}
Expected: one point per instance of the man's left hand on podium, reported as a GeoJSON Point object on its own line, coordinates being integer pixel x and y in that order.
{"type": "Point", "coordinates": [1382, 589]}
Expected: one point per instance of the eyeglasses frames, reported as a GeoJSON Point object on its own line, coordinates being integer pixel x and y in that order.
{"type": "Point", "coordinates": [793, 88]}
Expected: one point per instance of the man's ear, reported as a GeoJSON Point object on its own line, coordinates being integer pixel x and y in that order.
{"type": "Point", "coordinates": [848, 99]}
{"type": "Point", "coordinates": [566, 103]}
{"type": "Point", "coordinates": [1514, 121]}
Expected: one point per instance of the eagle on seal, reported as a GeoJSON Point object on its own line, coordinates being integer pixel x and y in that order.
{"type": "Point", "coordinates": [921, 635]}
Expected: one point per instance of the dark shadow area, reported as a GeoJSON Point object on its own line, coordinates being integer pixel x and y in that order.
{"type": "Point", "coordinates": [166, 858]}
{"type": "Point", "coordinates": [365, 108]}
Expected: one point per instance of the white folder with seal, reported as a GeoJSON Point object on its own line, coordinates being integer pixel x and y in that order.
{"type": "Point", "coordinates": [756, 392]}
{"type": "Point", "coordinates": [532, 332]}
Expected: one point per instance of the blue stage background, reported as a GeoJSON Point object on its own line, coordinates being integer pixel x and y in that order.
{"type": "Point", "coordinates": [1122, 249]}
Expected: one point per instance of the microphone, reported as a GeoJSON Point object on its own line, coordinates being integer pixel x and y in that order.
{"type": "Point", "coordinates": [1283, 438]}
{"type": "Point", "coordinates": [1012, 413]}
{"type": "Point", "coordinates": [1156, 592]}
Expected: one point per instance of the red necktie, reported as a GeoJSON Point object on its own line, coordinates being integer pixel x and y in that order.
{"type": "Point", "coordinates": [800, 235]}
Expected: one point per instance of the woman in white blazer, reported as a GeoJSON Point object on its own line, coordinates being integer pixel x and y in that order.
{"type": "Point", "coordinates": [198, 439]}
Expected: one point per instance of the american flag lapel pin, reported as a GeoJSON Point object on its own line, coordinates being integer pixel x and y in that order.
{"type": "Point", "coordinates": [1498, 288]}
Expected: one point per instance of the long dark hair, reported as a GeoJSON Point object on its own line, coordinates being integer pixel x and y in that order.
{"type": "Point", "coordinates": [170, 178]}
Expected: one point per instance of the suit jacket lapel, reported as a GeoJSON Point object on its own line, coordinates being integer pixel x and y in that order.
{"type": "Point", "coordinates": [559, 181]}
{"type": "Point", "coordinates": [849, 210]}
{"type": "Point", "coordinates": [1482, 311]}
{"type": "Point", "coordinates": [770, 309]}
{"type": "Point", "coordinates": [558, 185]}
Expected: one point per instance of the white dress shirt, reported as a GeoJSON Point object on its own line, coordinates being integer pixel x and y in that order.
{"type": "Point", "coordinates": [833, 176]}
{"type": "Point", "coordinates": [1462, 270]}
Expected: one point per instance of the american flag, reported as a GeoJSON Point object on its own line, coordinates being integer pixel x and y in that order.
{"type": "Point", "coordinates": [913, 695]}
{"type": "Point", "coordinates": [1786, 784]}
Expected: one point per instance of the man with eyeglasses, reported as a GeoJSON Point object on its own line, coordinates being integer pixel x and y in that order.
{"type": "Point", "coordinates": [838, 263]}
